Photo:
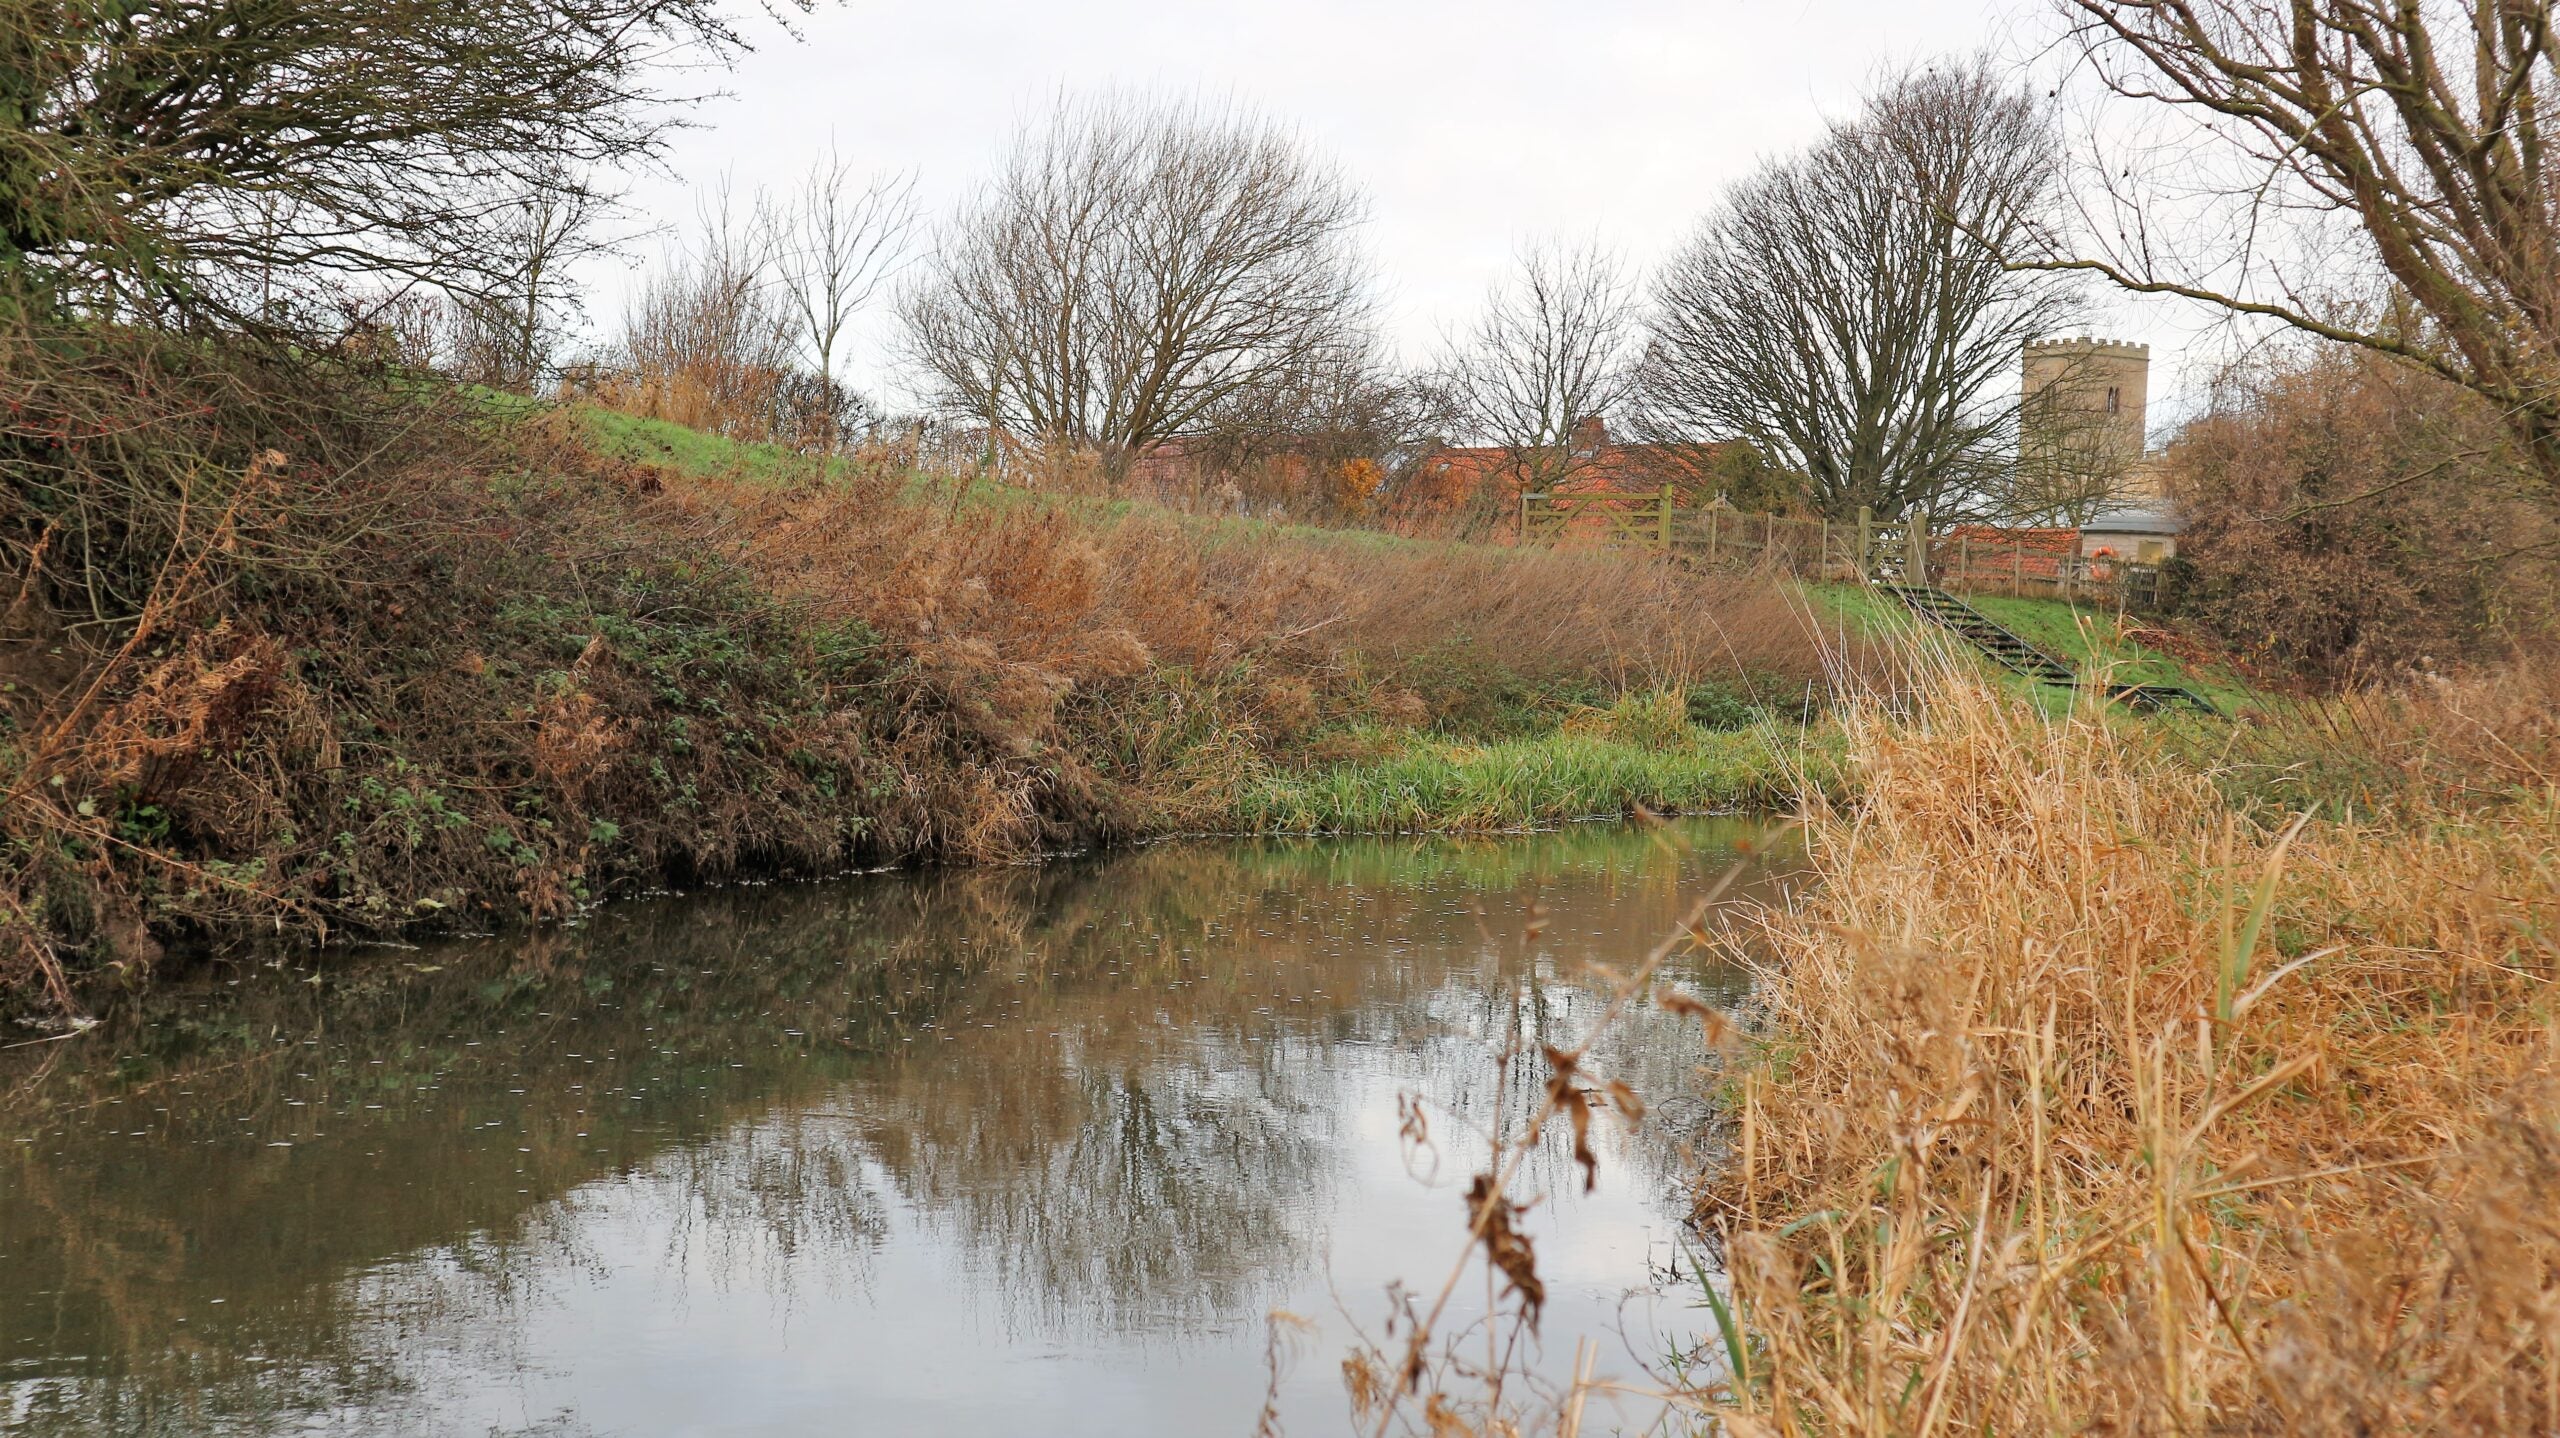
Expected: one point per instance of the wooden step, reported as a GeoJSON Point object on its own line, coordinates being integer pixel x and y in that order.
{"type": "Point", "coordinates": [2156, 697]}
{"type": "Point", "coordinates": [1977, 629]}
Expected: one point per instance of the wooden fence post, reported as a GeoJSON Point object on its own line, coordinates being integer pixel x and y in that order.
{"type": "Point", "coordinates": [1822, 551]}
{"type": "Point", "coordinates": [1714, 523]}
{"type": "Point", "coordinates": [1915, 548]}
{"type": "Point", "coordinates": [1525, 497]}
{"type": "Point", "coordinates": [1964, 557]}
{"type": "Point", "coordinates": [1662, 530]}
{"type": "Point", "coordinates": [1866, 537]}
{"type": "Point", "coordinates": [2017, 565]}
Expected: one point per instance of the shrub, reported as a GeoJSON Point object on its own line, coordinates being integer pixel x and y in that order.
{"type": "Point", "coordinates": [2349, 516]}
{"type": "Point", "coordinates": [407, 663]}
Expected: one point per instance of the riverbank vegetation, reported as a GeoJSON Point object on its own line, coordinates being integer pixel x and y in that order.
{"type": "Point", "coordinates": [336, 651]}
{"type": "Point", "coordinates": [2118, 1072]}
{"type": "Point", "coordinates": [1590, 767]}
{"type": "Point", "coordinates": [2113, 1081]}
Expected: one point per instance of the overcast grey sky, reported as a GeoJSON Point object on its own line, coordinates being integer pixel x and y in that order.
{"type": "Point", "coordinates": [1470, 123]}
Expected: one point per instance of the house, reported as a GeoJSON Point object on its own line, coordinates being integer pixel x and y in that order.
{"type": "Point", "coordinates": [1593, 463]}
{"type": "Point", "coordinates": [1997, 552]}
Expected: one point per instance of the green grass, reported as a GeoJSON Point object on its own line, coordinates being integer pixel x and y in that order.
{"type": "Point", "coordinates": [1860, 608]}
{"type": "Point", "coordinates": [688, 451]}
{"type": "Point", "coordinates": [1436, 785]}
{"type": "Point", "coordinates": [2086, 638]}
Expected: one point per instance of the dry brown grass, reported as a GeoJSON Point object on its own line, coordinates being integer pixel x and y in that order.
{"type": "Point", "coordinates": [2487, 734]}
{"type": "Point", "coordinates": [2091, 1103]}
{"type": "Point", "coordinates": [1071, 592]}
{"type": "Point", "coordinates": [1040, 625]}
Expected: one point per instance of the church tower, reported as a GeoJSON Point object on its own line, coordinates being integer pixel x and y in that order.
{"type": "Point", "coordinates": [2081, 425]}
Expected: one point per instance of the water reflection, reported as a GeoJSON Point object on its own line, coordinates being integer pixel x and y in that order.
{"type": "Point", "coordinates": [1027, 1150]}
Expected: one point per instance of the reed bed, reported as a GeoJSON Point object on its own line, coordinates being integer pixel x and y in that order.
{"type": "Point", "coordinates": [2089, 1095]}
{"type": "Point", "coordinates": [1016, 603]}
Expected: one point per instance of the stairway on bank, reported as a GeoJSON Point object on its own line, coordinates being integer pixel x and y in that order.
{"type": "Point", "coordinates": [2019, 657]}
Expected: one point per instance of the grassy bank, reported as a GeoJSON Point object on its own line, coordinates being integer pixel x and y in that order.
{"type": "Point", "coordinates": [304, 657]}
{"type": "Point", "coordinates": [2089, 1097]}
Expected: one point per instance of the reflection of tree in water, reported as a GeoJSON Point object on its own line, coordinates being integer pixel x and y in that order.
{"type": "Point", "coordinates": [1141, 1137]}
{"type": "Point", "coordinates": [1105, 1083]}
{"type": "Point", "coordinates": [1654, 1052]}
{"type": "Point", "coordinates": [1176, 1191]}
{"type": "Point", "coordinates": [765, 1204]}
{"type": "Point", "coordinates": [1113, 1152]}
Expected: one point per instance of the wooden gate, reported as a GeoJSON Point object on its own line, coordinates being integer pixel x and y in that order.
{"type": "Point", "coordinates": [1604, 518]}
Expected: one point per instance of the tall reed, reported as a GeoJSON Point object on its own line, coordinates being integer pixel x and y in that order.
{"type": "Point", "coordinates": [2089, 1097]}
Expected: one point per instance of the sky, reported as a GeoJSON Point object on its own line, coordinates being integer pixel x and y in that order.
{"type": "Point", "coordinates": [1470, 124]}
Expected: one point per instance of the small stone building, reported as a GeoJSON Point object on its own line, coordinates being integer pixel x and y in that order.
{"type": "Point", "coordinates": [2135, 534]}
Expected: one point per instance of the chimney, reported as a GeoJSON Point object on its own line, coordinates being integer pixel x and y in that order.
{"type": "Point", "coordinates": [1590, 434]}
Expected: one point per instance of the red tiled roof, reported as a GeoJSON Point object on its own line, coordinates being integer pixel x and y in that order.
{"type": "Point", "coordinates": [2030, 553]}
{"type": "Point", "coordinates": [1620, 468]}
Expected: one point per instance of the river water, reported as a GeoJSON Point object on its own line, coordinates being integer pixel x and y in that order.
{"type": "Point", "coordinates": [1025, 1151]}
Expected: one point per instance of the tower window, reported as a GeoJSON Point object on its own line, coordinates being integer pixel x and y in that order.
{"type": "Point", "coordinates": [2115, 399]}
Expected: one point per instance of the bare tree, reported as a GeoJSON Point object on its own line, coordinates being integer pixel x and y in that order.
{"type": "Point", "coordinates": [705, 340]}
{"type": "Point", "coordinates": [2418, 124]}
{"type": "Point", "coordinates": [507, 332]}
{"type": "Point", "coordinates": [1549, 358]}
{"type": "Point", "coordinates": [1340, 433]}
{"type": "Point", "coordinates": [1847, 312]}
{"type": "Point", "coordinates": [195, 160]}
{"type": "Point", "coordinates": [834, 242]}
{"type": "Point", "coordinates": [1133, 268]}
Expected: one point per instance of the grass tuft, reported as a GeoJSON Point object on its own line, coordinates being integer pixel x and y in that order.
{"type": "Point", "coordinates": [1438, 785]}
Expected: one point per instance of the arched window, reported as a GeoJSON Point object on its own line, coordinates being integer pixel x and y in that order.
{"type": "Point", "coordinates": [2115, 399]}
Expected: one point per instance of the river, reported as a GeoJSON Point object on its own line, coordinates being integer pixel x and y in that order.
{"type": "Point", "coordinates": [1020, 1151]}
